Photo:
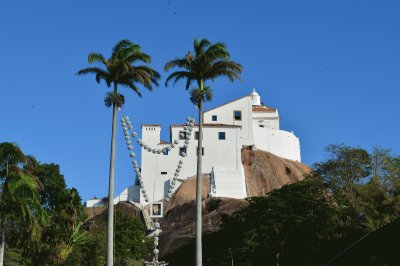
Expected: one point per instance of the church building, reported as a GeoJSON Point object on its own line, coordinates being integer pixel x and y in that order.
{"type": "Point", "coordinates": [227, 128]}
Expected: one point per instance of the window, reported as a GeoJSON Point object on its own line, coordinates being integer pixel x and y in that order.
{"type": "Point", "coordinates": [182, 134]}
{"type": "Point", "coordinates": [237, 115]}
{"type": "Point", "coordinates": [214, 118]}
{"type": "Point", "coordinates": [182, 150]}
{"type": "Point", "coordinates": [221, 135]}
{"type": "Point", "coordinates": [197, 151]}
{"type": "Point", "coordinates": [196, 135]}
{"type": "Point", "coordinates": [164, 173]}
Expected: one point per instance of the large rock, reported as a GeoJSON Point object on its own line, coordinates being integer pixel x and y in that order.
{"type": "Point", "coordinates": [178, 224]}
{"type": "Point", "coordinates": [264, 172]}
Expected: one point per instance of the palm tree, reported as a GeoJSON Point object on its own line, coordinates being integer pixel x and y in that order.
{"type": "Point", "coordinates": [119, 69]}
{"type": "Point", "coordinates": [10, 156]}
{"type": "Point", "coordinates": [19, 198]}
{"type": "Point", "coordinates": [209, 61]}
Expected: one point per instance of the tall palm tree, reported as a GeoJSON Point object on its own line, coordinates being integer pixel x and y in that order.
{"type": "Point", "coordinates": [19, 197]}
{"type": "Point", "coordinates": [119, 69]}
{"type": "Point", "coordinates": [208, 62]}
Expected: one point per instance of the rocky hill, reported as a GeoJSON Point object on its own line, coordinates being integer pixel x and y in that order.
{"type": "Point", "coordinates": [264, 173]}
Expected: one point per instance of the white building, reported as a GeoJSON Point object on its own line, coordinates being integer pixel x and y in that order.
{"type": "Point", "coordinates": [227, 128]}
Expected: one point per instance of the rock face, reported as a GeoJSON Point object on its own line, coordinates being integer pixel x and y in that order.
{"type": "Point", "coordinates": [179, 223]}
{"type": "Point", "coordinates": [264, 173]}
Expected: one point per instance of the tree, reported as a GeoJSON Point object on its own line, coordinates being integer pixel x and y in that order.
{"type": "Point", "coordinates": [345, 168]}
{"type": "Point", "coordinates": [11, 157]}
{"type": "Point", "coordinates": [208, 62]}
{"type": "Point", "coordinates": [119, 69]}
{"type": "Point", "coordinates": [131, 242]}
{"type": "Point", "coordinates": [365, 185]}
{"type": "Point", "coordinates": [63, 233]}
{"type": "Point", "coordinates": [283, 228]}
{"type": "Point", "coordinates": [20, 207]}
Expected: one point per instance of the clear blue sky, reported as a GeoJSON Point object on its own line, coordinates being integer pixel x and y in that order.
{"type": "Point", "coordinates": [332, 68]}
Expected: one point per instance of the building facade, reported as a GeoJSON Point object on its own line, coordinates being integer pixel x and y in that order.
{"type": "Point", "coordinates": [227, 128]}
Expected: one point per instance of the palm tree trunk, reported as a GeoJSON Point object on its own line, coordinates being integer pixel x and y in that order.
{"type": "Point", "coordinates": [2, 244]}
{"type": "Point", "coordinates": [199, 220]}
{"type": "Point", "coordinates": [110, 229]}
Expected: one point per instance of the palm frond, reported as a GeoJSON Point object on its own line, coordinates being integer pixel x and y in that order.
{"type": "Point", "coordinates": [215, 52]}
{"type": "Point", "coordinates": [188, 83]}
{"type": "Point", "coordinates": [200, 45]}
{"type": "Point", "coordinates": [135, 57]}
{"type": "Point", "coordinates": [230, 69]}
{"type": "Point", "coordinates": [120, 68]}
{"type": "Point", "coordinates": [178, 75]}
{"type": "Point", "coordinates": [132, 86]}
{"type": "Point", "coordinates": [96, 58]}
{"type": "Point", "coordinates": [150, 75]}
{"type": "Point", "coordinates": [123, 48]}
{"type": "Point", "coordinates": [90, 70]}
{"type": "Point", "coordinates": [178, 62]}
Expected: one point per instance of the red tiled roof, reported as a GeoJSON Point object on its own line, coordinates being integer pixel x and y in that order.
{"type": "Point", "coordinates": [164, 142]}
{"type": "Point", "coordinates": [261, 108]}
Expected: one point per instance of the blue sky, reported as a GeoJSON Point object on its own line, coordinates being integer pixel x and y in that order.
{"type": "Point", "coordinates": [330, 67]}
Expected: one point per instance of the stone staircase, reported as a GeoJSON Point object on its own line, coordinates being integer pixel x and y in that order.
{"type": "Point", "coordinates": [228, 183]}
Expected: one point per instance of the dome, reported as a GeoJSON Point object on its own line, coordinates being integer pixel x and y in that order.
{"type": "Point", "coordinates": [254, 93]}
{"type": "Point", "coordinates": [255, 97]}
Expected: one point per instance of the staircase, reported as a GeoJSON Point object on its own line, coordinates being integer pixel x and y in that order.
{"type": "Point", "coordinates": [228, 183]}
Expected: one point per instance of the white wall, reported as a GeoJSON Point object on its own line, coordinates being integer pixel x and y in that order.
{"type": "Point", "coordinates": [278, 142]}
{"type": "Point", "coordinates": [225, 115]}
{"type": "Point", "coordinates": [268, 119]}
{"type": "Point", "coordinates": [226, 154]}
{"type": "Point", "coordinates": [94, 203]}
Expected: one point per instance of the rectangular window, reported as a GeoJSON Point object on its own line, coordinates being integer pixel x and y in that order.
{"type": "Point", "coordinates": [197, 151]}
{"type": "Point", "coordinates": [196, 135]}
{"type": "Point", "coordinates": [182, 134]}
{"type": "Point", "coordinates": [181, 150]}
{"type": "Point", "coordinates": [221, 135]}
{"type": "Point", "coordinates": [214, 118]}
{"type": "Point", "coordinates": [164, 173]}
{"type": "Point", "coordinates": [237, 115]}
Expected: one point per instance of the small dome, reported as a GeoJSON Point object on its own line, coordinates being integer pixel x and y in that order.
{"type": "Point", "coordinates": [255, 98]}
{"type": "Point", "coordinates": [254, 93]}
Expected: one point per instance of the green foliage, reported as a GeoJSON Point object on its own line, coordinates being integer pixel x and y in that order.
{"type": "Point", "coordinates": [120, 69]}
{"type": "Point", "coordinates": [271, 227]}
{"type": "Point", "coordinates": [364, 185]}
{"type": "Point", "coordinates": [345, 168]}
{"type": "Point", "coordinates": [21, 213]}
{"type": "Point", "coordinates": [131, 244]}
{"type": "Point", "coordinates": [347, 196]}
{"type": "Point", "coordinates": [40, 215]}
{"type": "Point", "coordinates": [114, 98]}
{"type": "Point", "coordinates": [197, 95]}
{"type": "Point", "coordinates": [208, 62]}
{"type": "Point", "coordinates": [10, 158]}
{"type": "Point", "coordinates": [62, 233]}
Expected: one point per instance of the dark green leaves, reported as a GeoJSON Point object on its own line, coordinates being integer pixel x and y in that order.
{"type": "Point", "coordinates": [114, 99]}
{"type": "Point", "coordinates": [196, 95]}
{"type": "Point", "coordinates": [120, 69]}
{"type": "Point", "coordinates": [209, 61]}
